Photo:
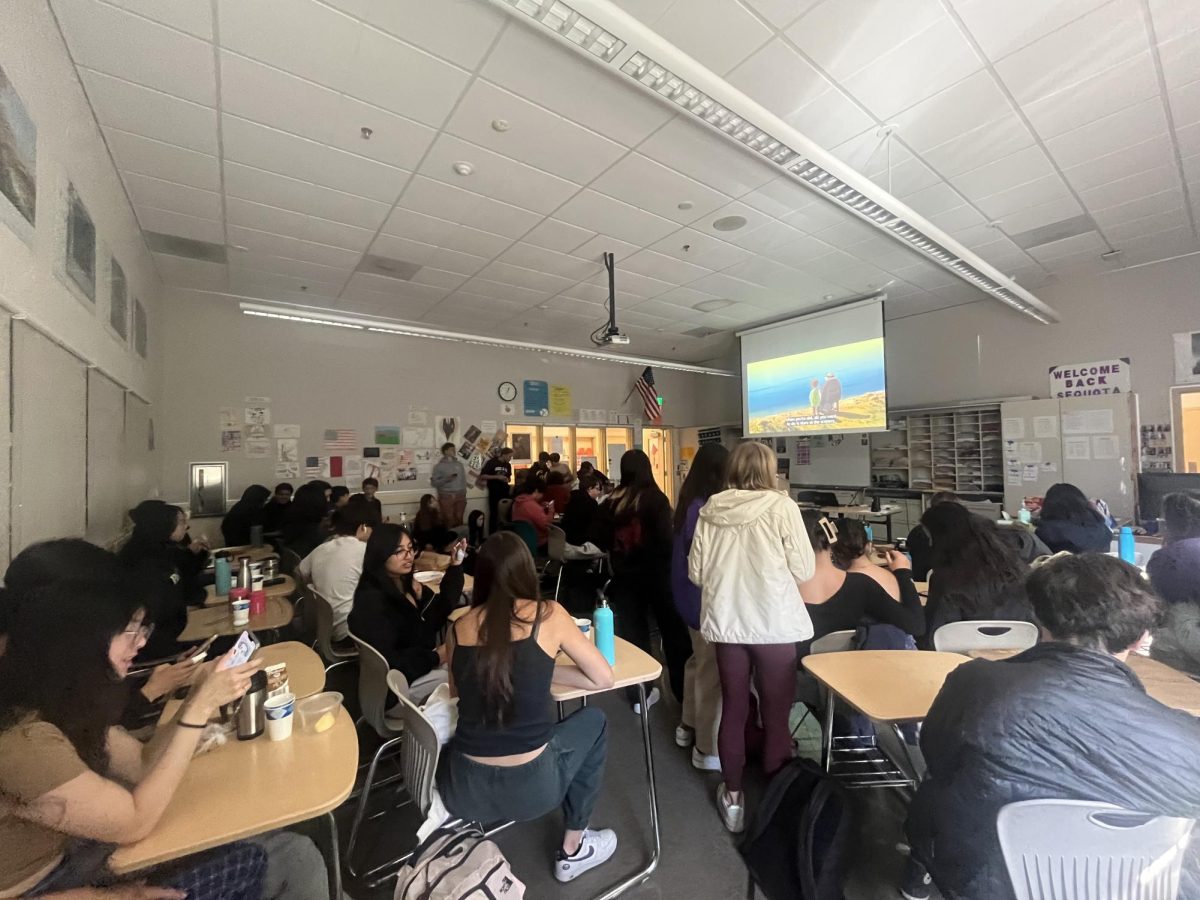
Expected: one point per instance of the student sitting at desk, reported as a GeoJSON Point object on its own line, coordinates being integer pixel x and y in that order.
{"type": "Point", "coordinates": [579, 515]}
{"type": "Point", "coordinates": [919, 545]}
{"type": "Point", "coordinates": [1175, 573]}
{"type": "Point", "coordinates": [852, 553]}
{"type": "Point", "coordinates": [400, 617]}
{"type": "Point", "coordinates": [304, 523]}
{"type": "Point", "coordinates": [509, 759]}
{"type": "Point", "coordinates": [1068, 521]}
{"type": "Point", "coordinates": [558, 490]}
{"type": "Point", "coordinates": [429, 526]}
{"type": "Point", "coordinates": [244, 515]}
{"type": "Point", "coordinates": [1065, 719]}
{"type": "Point", "coordinates": [272, 515]}
{"type": "Point", "coordinates": [976, 571]}
{"type": "Point", "coordinates": [335, 566]}
{"type": "Point", "coordinates": [530, 506]}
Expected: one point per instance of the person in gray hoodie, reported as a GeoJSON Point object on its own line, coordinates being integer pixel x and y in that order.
{"type": "Point", "coordinates": [449, 479]}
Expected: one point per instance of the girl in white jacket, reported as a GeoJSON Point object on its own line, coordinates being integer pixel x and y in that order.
{"type": "Point", "coordinates": [749, 552]}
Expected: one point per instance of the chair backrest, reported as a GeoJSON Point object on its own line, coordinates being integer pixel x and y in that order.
{"type": "Point", "coordinates": [990, 634]}
{"type": "Point", "coordinates": [526, 532]}
{"type": "Point", "coordinates": [420, 747]}
{"type": "Point", "coordinates": [373, 686]}
{"type": "Point", "coordinates": [504, 509]}
{"type": "Point", "coordinates": [556, 549]}
{"type": "Point", "coordinates": [324, 622]}
{"type": "Point", "coordinates": [834, 642]}
{"type": "Point", "coordinates": [289, 560]}
{"type": "Point", "coordinates": [1078, 850]}
{"type": "Point", "coordinates": [305, 621]}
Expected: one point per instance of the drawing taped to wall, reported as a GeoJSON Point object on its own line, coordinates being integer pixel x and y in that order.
{"type": "Point", "coordinates": [18, 152]}
{"type": "Point", "coordinates": [81, 245]}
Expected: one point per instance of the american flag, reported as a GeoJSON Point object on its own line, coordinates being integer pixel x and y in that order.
{"type": "Point", "coordinates": [312, 466]}
{"type": "Point", "coordinates": [341, 439]}
{"type": "Point", "coordinates": [645, 387]}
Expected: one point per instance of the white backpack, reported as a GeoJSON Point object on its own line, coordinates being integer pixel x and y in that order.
{"type": "Point", "coordinates": [458, 864]}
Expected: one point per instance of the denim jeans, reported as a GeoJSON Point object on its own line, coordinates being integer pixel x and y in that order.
{"type": "Point", "coordinates": [568, 772]}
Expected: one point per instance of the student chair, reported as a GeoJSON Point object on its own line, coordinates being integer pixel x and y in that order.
{"type": "Point", "coordinates": [834, 642]}
{"type": "Point", "coordinates": [504, 511]}
{"type": "Point", "coordinates": [1079, 850]}
{"type": "Point", "coordinates": [994, 634]}
{"type": "Point", "coordinates": [331, 653]}
{"type": "Point", "coordinates": [289, 560]}
{"type": "Point", "coordinates": [556, 551]}
{"type": "Point", "coordinates": [526, 532]}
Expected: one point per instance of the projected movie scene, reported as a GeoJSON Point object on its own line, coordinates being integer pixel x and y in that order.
{"type": "Point", "coordinates": [839, 388]}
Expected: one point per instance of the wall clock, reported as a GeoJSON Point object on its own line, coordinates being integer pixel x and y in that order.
{"type": "Point", "coordinates": [507, 391]}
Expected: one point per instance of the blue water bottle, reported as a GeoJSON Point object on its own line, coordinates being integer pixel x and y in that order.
{"type": "Point", "coordinates": [602, 622]}
{"type": "Point", "coordinates": [1126, 546]}
{"type": "Point", "coordinates": [222, 577]}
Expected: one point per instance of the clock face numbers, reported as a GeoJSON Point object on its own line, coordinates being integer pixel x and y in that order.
{"type": "Point", "coordinates": [507, 391]}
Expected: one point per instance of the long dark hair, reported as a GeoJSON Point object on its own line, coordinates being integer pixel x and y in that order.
{"type": "Point", "coordinates": [307, 509]}
{"type": "Point", "coordinates": [504, 574]}
{"type": "Point", "coordinates": [1067, 503]}
{"type": "Point", "coordinates": [380, 546]}
{"type": "Point", "coordinates": [56, 664]}
{"type": "Point", "coordinates": [1182, 512]}
{"type": "Point", "coordinates": [46, 562]}
{"type": "Point", "coordinates": [971, 557]}
{"type": "Point", "coordinates": [153, 523]}
{"type": "Point", "coordinates": [705, 478]}
{"type": "Point", "coordinates": [637, 478]}
{"type": "Point", "coordinates": [428, 515]}
{"type": "Point", "coordinates": [851, 543]}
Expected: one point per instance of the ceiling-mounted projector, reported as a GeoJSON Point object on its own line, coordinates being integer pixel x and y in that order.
{"type": "Point", "coordinates": [610, 335]}
{"type": "Point", "coordinates": [614, 337]}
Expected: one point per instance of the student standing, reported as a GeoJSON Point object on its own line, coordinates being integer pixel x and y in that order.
{"type": "Point", "coordinates": [749, 553]}
{"type": "Point", "coordinates": [449, 479]}
{"type": "Point", "coordinates": [335, 567]}
{"type": "Point", "coordinates": [496, 474]}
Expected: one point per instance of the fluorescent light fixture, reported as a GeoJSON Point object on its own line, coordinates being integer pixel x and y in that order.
{"type": "Point", "coordinates": [663, 69]}
{"type": "Point", "coordinates": [313, 315]}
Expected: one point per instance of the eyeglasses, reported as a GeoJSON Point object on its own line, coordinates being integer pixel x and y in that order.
{"type": "Point", "coordinates": [140, 633]}
{"type": "Point", "coordinates": [404, 551]}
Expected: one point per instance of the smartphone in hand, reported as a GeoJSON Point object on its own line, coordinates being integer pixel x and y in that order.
{"type": "Point", "coordinates": [245, 647]}
{"type": "Point", "coordinates": [198, 654]}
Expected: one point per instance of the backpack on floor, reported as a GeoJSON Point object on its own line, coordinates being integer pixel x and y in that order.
{"type": "Point", "coordinates": [458, 864]}
{"type": "Point", "coordinates": [798, 844]}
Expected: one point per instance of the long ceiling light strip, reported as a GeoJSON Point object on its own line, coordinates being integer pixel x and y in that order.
{"type": "Point", "coordinates": [311, 315]}
{"type": "Point", "coordinates": [639, 53]}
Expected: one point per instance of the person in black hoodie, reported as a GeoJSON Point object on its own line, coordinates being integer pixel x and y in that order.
{"type": "Point", "coordinates": [919, 545]}
{"type": "Point", "coordinates": [636, 526]}
{"type": "Point", "coordinates": [580, 513]}
{"type": "Point", "coordinates": [400, 617]}
{"type": "Point", "coordinates": [1069, 522]}
{"type": "Point", "coordinates": [168, 565]}
{"type": "Point", "coordinates": [977, 573]}
{"type": "Point", "coordinates": [275, 510]}
{"type": "Point", "coordinates": [305, 522]}
{"type": "Point", "coordinates": [245, 514]}
{"type": "Point", "coordinates": [1066, 719]}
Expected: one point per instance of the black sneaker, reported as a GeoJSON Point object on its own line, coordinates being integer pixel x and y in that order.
{"type": "Point", "coordinates": [916, 881]}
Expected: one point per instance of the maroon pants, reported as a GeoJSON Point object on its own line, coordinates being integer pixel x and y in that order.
{"type": "Point", "coordinates": [773, 668]}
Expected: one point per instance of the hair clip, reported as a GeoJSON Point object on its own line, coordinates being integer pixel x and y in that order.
{"type": "Point", "coordinates": [830, 530]}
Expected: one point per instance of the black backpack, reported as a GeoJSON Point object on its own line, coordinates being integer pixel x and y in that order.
{"type": "Point", "coordinates": [798, 844]}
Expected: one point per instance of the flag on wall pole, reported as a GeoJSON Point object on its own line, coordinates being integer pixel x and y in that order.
{"type": "Point", "coordinates": [645, 387]}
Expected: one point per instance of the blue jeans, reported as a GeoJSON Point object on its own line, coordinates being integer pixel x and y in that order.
{"type": "Point", "coordinates": [568, 772]}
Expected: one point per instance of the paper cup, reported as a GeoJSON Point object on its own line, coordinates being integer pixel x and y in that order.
{"type": "Point", "coordinates": [280, 712]}
{"type": "Point", "coordinates": [585, 625]}
{"type": "Point", "coordinates": [240, 608]}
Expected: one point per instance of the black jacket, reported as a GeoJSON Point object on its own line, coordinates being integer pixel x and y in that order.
{"type": "Point", "coordinates": [580, 517]}
{"type": "Point", "coordinates": [1059, 534]}
{"type": "Point", "coordinates": [639, 539]}
{"type": "Point", "coordinates": [1055, 721]}
{"type": "Point", "coordinates": [169, 577]}
{"type": "Point", "coordinates": [405, 634]}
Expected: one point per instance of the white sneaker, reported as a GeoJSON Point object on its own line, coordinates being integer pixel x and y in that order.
{"type": "Point", "coordinates": [704, 762]}
{"type": "Point", "coordinates": [684, 736]}
{"type": "Point", "coordinates": [651, 699]}
{"type": "Point", "coordinates": [733, 815]}
{"type": "Point", "coordinates": [595, 848]}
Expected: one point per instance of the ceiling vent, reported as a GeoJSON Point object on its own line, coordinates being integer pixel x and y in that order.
{"type": "Point", "coordinates": [702, 332]}
{"type": "Point", "coordinates": [388, 268]}
{"type": "Point", "coordinates": [173, 245]}
{"type": "Point", "coordinates": [613, 38]}
{"type": "Point", "coordinates": [1056, 231]}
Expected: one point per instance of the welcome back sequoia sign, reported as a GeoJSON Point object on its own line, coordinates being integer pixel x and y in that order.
{"type": "Point", "coordinates": [1109, 376]}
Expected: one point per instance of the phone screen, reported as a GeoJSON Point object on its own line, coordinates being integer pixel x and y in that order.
{"type": "Point", "coordinates": [242, 651]}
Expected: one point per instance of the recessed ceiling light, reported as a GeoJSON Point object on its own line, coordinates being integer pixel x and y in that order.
{"type": "Point", "coordinates": [712, 305]}
{"type": "Point", "coordinates": [500, 125]}
{"type": "Point", "coordinates": [686, 204]}
{"type": "Point", "coordinates": [462, 168]}
{"type": "Point", "coordinates": [827, 297]}
{"type": "Point", "coordinates": [366, 132]}
{"type": "Point", "coordinates": [729, 223]}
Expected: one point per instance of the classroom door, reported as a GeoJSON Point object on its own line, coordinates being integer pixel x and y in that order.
{"type": "Point", "coordinates": [1185, 402]}
{"type": "Point", "coordinates": [657, 444]}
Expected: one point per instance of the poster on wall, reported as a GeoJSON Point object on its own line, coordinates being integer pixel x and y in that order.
{"type": "Point", "coordinates": [258, 448]}
{"type": "Point", "coordinates": [521, 447]}
{"type": "Point", "coordinates": [287, 450]}
{"type": "Point", "coordinates": [471, 435]}
{"type": "Point", "coordinates": [560, 400]}
{"type": "Point", "coordinates": [258, 415]}
{"type": "Point", "coordinates": [423, 456]}
{"type": "Point", "coordinates": [417, 437]}
{"type": "Point", "coordinates": [286, 431]}
{"type": "Point", "coordinates": [312, 466]}
{"type": "Point", "coordinates": [287, 470]}
{"type": "Point", "coordinates": [18, 152]}
{"type": "Point", "coordinates": [231, 439]}
{"type": "Point", "coordinates": [227, 418]}
{"type": "Point", "coordinates": [1107, 376]}
{"type": "Point", "coordinates": [352, 467]}
{"type": "Point", "coordinates": [418, 416]}
{"type": "Point", "coordinates": [1187, 357]}
{"type": "Point", "coordinates": [537, 398]}
{"type": "Point", "coordinates": [370, 453]}
{"type": "Point", "coordinates": [387, 434]}
{"type": "Point", "coordinates": [81, 245]}
{"type": "Point", "coordinates": [466, 449]}
{"type": "Point", "coordinates": [445, 429]}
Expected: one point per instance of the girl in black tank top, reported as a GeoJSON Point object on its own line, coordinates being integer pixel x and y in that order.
{"type": "Point", "coordinates": [509, 760]}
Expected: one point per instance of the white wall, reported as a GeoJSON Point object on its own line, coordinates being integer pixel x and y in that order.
{"type": "Point", "coordinates": [71, 150]}
{"type": "Point", "coordinates": [320, 377]}
{"type": "Point", "coordinates": [984, 350]}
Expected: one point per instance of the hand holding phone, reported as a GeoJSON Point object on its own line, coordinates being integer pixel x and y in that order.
{"type": "Point", "coordinates": [196, 655]}
{"type": "Point", "coordinates": [241, 652]}
{"type": "Point", "coordinates": [458, 552]}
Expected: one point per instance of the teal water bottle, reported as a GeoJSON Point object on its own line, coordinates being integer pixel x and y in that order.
{"type": "Point", "coordinates": [1126, 546]}
{"type": "Point", "coordinates": [222, 577]}
{"type": "Point", "coordinates": [870, 532]}
{"type": "Point", "coordinates": [602, 622]}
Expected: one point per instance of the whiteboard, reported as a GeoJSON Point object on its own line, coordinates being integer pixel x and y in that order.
{"type": "Point", "coordinates": [105, 442]}
{"type": "Point", "coordinates": [49, 452]}
{"type": "Point", "coordinates": [846, 463]}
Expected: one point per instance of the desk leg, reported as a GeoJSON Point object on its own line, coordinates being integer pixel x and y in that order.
{"type": "Point", "coordinates": [332, 857]}
{"type": "Point", "coordinates": [827, 729]}
{"type": "Point", "coordinates": [638, 877]}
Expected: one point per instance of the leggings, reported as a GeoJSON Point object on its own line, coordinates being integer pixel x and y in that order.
{"type": "Point", "coordinates": [774, 671]}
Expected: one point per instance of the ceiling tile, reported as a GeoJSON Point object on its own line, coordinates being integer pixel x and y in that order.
{"type": "Point", "coordinates": [1117, 131]}
{"type": "Point", "coordinates": [186, 15]}
{"type": "Point", "coordinates": [800, 252]}
{"type": "Point", "coordinates": [100, 37]}
{"type": "Point", "coordinates": [716, 33]}
{"type": "Point", "coordinates": [1185, 104]}
{"type": "Point", "coordinates": [1173, 18]}
{"type": "Point", "coordinates": [191, 273]}
{"type": "Point", "coordinates": [1123, 85]}
{"type": "Point", "coordinates": [957, 219]}
{"type": "Point", "coordinates": [1121, 232]}
{"type": "Point", "coordinates": [702, 249]}
{"type": "Point", "coordinates": [1152, 181]}
{"type": "Point", "coordinates": [779, 197]}
{"type": "Point", "coordinates": [1188, 139]}
{"type": "Point", "coordinates": [532, 279]}
{"type": "Point", "coordinates": [1012, 200]}
{"type": "Point", "coordinates": [499, 290]}
{"type": "Point", "coordinates": [1049, 209]}
{"type": "Point", "coordinates": [878, 27]}
{"type": "Point", "coordinates": [730, 169]}
{"type": "Point", "coordinates": [1001, 28]}
{"type": "Point", "coordinates": [655, 188]}
{"type": "Point", "coordinates": [603, 214]}
{"type": "Point", "coordinates": [666, 268]}
{"type": "Point", "coordinates": [535, 136]}
{"type": "Point", "coordinates": [266, 148]}
{"type": "Point", "coordinates": [263, 217]}
{"type": "Point", "coordinates": [301, 196]}
{"type": "Point", "coordinates": [766, 237]}
{"type": "Point", "coordinates": [829, 119]}
{"type": "Point", "coordinates": [553, 76]}
{"type": "Point", "coordinates": [133, 153]}
{"type": "Point", "coordinates": [147, 191]}
{"type": "Point", "coordinates": [556, 235]}
{"type": "Point", "coordinates": [431, 230]}
{"type": "Point", "coordinates": [1180, 59]}
{"type": "Point", "coordinates": [1085, 47]}
{"type": "Point", "coordinates": [303, 37]}
{"type": "Point", "coordinates": [496, 176]}
{"type": "Point", "coordinates": [405, 249]}
{"type": "Point", "coordinates": [278, 245]}
{"type": "Point", "coordinates": [931, 201]}
{"type": "Point", "coordinates": [132, 108]}
{"type": "Point", "coordinates": [1150, 205]}
{"type": "Point", "coordinates": [336, 234]}
{"type": "Point", "coordinates": [645, 11]}
{"type": "Point", "coordinates": [632, 283]}
{"type": "Point", "coordinates": [299, 268]}
{"type": "Point", "coordinates": [868, 152]}
{"type": "Point", "coordinates": [1011, 171]}
{"type": "Point", "coordinates": [1153, 153]}
{"type": "Point", "coordinates": [529, 256]}
{"type": "Point", "coordinates": [457, 30]}
{"type": "Point", "coordinates": [970, 103]}
{"type": "Point", "coordinates": [979, 146]}
{"type": "Point", "coordinates": [594, 248]}
{"type": "Point", "coordinates": [782, 13]}
{"type": "Point", "coordinates": [394, 139]}
{"type": "Point", "coordinates": [436, 199]}
{"type": "Point", "coordinates": [167, 222]}
{"type": "Point", "coordinates": [779, 78]}
{"type": "Point", "coordinates": [916, 69]}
